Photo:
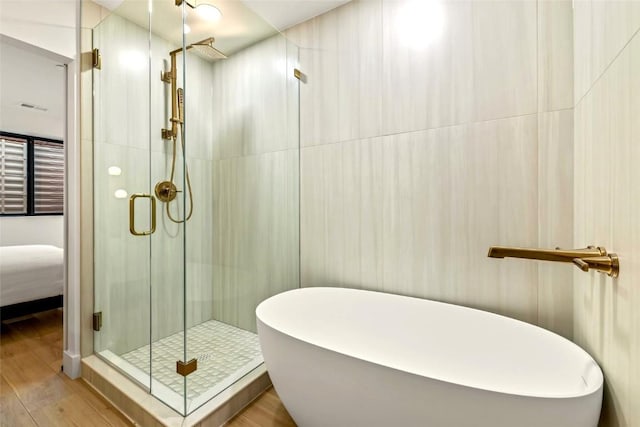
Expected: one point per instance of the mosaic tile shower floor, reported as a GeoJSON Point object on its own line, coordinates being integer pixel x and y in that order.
{"type": "Point", "coordinates": [222, 351]}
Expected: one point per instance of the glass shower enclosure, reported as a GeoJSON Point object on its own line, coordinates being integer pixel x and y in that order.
{"type": "Point", "coordinates": [196, 175]}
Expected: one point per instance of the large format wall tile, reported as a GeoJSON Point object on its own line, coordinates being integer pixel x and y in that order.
{"type": "Point", "coordinates": [319, 97]}
{"type": "Point", "coordinates": [607, 154]}
{"type": "Point", "coordinates": [555, 55]}
{"type": "Point", "coordinates": [198, 101]}
{"type": "Point", "coordinates": [555, 216]}
{"type": "Point", "coordinates": [341, 54]}
{"type": "Point", "coordinates": [611, 24]}
{"type": "Point", "coordinates": [431, 85]}
{"type": "Point", "coordinates": [255, 209]}
{"type": "Point", "coordinates": [581, 49]}
{"type": "Point", "coordinates": [121, 110]}
{"type": "Point", "coordinates": [366, 76]}
{"type": "Point", "coordinates": [253, 93]}
{"type": "Point", "coordinates": [443, 178]}
{"type": "Point", "coordinates": [341, 214]}
{"type": "Point", "coordinates": [446, 197]}
{"type": "Point", "coordinates": [255, 222]}
{"type": "Point", "coordinates": [504, 58]}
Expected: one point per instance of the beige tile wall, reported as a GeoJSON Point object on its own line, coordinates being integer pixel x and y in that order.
{"type": "Point", "coordinates": [607, 154]}
{"type": "Point", "coordinates": [414, 162]}
{"type": "Point", "coordinates": [255, 213]}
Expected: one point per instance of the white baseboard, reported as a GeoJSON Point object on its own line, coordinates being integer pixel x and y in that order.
{"type": "Point", "coordinates": [71, 365]}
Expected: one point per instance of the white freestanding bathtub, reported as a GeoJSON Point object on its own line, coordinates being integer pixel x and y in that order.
{"type": "Point", "coordinates": [345, 357]}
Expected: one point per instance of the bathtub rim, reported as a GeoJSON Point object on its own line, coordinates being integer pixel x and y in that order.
{"type": "Point", "coordinates": [590, 390]}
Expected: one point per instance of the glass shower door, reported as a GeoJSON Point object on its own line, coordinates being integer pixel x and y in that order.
{"type": "Point", "coordinates": [242, 151]}
{"type": "Point", "coordinates": [124, 215]}
{"type": "Point", "coordinates": [196, 164]}
{"type": "Point", "coordinates": [169, 186]}
{"type": "Point", "coordinates": [140, 199]}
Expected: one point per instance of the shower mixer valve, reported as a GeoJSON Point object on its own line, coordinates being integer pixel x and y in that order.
{"type": "Point", "coordinates": [166, 191]}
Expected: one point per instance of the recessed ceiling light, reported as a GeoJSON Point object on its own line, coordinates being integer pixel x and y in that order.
{"type": "Point", "coordinates": [186, 29]}
{"type": "Point", "coordinates": [208, 12]}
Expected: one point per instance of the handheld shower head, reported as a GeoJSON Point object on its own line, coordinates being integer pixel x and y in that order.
{"type": "Point", "coordinates": [180, 104]}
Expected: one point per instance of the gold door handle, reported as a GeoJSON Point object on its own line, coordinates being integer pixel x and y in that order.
{"type": "Point", "coordinates": [132, 214]}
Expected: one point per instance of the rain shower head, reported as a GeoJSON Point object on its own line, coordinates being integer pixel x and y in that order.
{"type": "Point", "coordinates": [205, 49]}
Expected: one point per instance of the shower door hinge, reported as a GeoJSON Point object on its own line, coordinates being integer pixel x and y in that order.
{"type": "Point", "coordinates": [96, 59]}
{"type": "Point", "coordinates": [97, 321]}
{"type": "Point", "coordinates": [299, 75]}
{"type": "Point", "coordinates": [185, 369]}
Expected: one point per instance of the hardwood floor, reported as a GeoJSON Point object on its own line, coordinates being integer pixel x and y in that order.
{"type": "Point", "coordinates": [266, 411]}
{"type": "Point", "coordinates": [34, 392]}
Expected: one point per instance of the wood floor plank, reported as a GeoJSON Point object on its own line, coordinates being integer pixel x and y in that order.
{"type": "Point", "coordinates": [39, 324]}
{"type": "Point", "coordinates": [34, 391]}
{"type": "Point", "coordinates": [69, 411]}
{"type": "Point", "coordinates": [12, 343]}
{"type": "Point", "coordinates": [266, 411]}
{"type": "Point", "coordinates": [34, 382]}
{"type": "Point", "coordinates": [97, 402]}
{"type": "Point", "coordinates": [48, 349]}
{"type": "Point", "coordinates": [12, 411]}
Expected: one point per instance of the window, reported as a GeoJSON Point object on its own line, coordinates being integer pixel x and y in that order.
{"type": "Point", "coordinates": [31, 175]}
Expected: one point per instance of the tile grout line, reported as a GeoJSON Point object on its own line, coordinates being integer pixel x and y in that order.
{"type": "Point", "coordinates": [601, 75]}
{"type": "Point", "coordinates": [435, 128]}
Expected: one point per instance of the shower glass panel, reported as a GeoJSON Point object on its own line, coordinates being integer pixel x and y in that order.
{"type": "Point", "coordinates": [122, 193]}
{"type": "Point", "coordinates": [196, 150]}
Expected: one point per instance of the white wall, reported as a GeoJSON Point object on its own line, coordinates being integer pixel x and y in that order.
{"type": "Point", "coordinates": [416, 159]}
{"type": "Point", "coordinates": [41, 230]}
{"type": "Point", "coordinates": [48, 24]}
{"type": "Point", "coordinates": [29, 74]}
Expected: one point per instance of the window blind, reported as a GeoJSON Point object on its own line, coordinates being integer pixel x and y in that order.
{"type": "Point", "coordinates": [48, 176]}
{"type": "Point", "coordinates": [13, 175]}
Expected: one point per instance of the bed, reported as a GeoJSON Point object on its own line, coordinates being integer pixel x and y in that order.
{"type": "Point", "coordinates": [31, 279]}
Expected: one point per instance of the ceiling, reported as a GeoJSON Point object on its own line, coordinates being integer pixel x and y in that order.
{"type": "Point", "coordinates": [31, 78]}
{"type": "Point", "coordinates": [283, 14]}
{"type": "Point", "coordinates": [242, 24]}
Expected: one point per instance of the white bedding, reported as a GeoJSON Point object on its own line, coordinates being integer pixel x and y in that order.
{"type": "Point", "coordinates": [30, 272]}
